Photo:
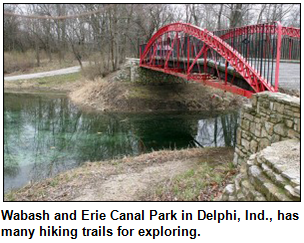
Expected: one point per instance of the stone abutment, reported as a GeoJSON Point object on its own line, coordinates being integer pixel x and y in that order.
{"type": "Point", "coordinates": [267, 150]}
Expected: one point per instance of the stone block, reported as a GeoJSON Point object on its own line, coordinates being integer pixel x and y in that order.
{"type": "Point", "coordinates": [280, 129]}
{"type": "Point", "coordinates": [235, 159]}
{"type": "Point", "coordinates": [254, 101]}
{"type": "Point", "coordinates": [295, 109]}
{"type": "Point", "coordinates": [276, 118]}
{"type": "Point", "coordinates": [297, 190]}
{"type": "Point", "coordinates": [259, 160]}
{"type": "Point", "coordinates": [240, 197]}
{"type": "Point", "coordinates": [253, 146]}
{"type": "Point", "coordinates": [271, 105]}
{"type": "Point", "coordinates": [264, 133]}
{"type": "Point", "coordinates": [245, 124]}
{"type": "Point", "coordinates": [295, 182]}
{"type": "Point", "coordinates": [269, 127]}
{"type": "Point", "coordinates": [263, 143]}
{"type": "Point", "coordinates": [258, 107]}
{"type": "Point", "coordinates": [258, 128]}
{"type": "Point", "coordinates": [289, 100]}
{"type": "Point", "coordinates": [245, 144]}
{"type": "Point", "coordinates": [279, 107]}
{"type": "Point", "coordinates": [288, 123]}
{"type": "Point", "coordinates": [291, 193]}
{"type": "Point", "coordinates": [252, 128]}
{"type": "Point", "coordinates": [257, 119]}
{"type": "Point", "coordinates": [246, 135]}
{"type": "Point", "coordinates": [238, 135]}
{"type": "Point", "coordinates": [232, 199]}
{"type": "Point", "coordinates": [248, 116]}
{"type": "Point", "coordinates": [247, 108]}
{"type": "Point", "coordinates": [292, 133]}
{"type": "Point", "coordinates": [229, 189]}
{"type": "Point", "coordinates": [265, 104]}
{"type": "Point", "coordinates": [275, 138]}
{"type": "Point", "coordinates": [297, 125]}
{"type": "Point", "coordinates": [288, 112]}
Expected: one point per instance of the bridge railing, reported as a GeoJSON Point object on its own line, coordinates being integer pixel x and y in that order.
{"type": "Point", "coordinates": [291, 49]}
{"type": "Point", "coordinates": [263, 46]}
{"type": "Point", "coordinates": [254, 52]}
{"type": "Point", "coordinates": [260, 46]}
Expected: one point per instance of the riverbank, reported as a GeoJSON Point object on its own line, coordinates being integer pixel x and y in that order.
{"type": "Point", "coordinates": [105, 95]}
{"type": "Point", "coordinates": [180, 175]}
{"type": "Point", "coordinates": [61, 83]}
{"type": "Point", "coordinates": [108, 94]}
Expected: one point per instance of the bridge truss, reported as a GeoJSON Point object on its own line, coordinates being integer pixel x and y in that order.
{"type": "Point", "coordinates": [242, 60]}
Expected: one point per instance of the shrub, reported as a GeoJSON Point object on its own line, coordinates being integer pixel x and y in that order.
{"type": "Point", "coordinates": [95, 70]}
{"type": "Point", "coordinates": [17, 61]}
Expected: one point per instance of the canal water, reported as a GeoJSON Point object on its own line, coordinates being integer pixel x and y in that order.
{"type": "Point", "coordinates": [47, 134]}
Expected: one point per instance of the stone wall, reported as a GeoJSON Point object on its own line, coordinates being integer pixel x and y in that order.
{"type": "Point", "coordinates": [133, 72]}
{"type": "Point", "coordinates": [271, 117]}
{"type": "Point", "coordinates": [267, 150]}
{"type": "Point", "coordinates": [272, 174]}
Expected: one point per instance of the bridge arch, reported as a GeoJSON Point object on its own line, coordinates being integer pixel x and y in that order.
{"type": "Point", "coordinates": [272, 28]}
{"type": "Point", "coordinates": [255, 80]}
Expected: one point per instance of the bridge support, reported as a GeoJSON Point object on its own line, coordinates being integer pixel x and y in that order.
{"type": "Point", "coordinates": [133, 72]}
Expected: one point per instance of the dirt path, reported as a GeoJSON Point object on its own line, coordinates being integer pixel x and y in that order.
{"type": "Point", "coordinates": [63, 71]}
{"type": "Point", "coordinates": [129, 186]}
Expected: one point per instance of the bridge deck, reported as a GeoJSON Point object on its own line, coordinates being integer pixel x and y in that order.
{"type": "Point", "coordinates": [289, 76]}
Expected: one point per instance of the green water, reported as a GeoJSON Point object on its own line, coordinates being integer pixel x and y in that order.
{"type": "Point", "coordinates": [47, 134]}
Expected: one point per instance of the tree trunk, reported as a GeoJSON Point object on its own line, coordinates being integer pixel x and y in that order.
{"type": "Point", "coordinates": [219, 17]}
{"type": "Point", "coordinates": [236, 16]}
{"type": "Point", "coordinates": [37, 51]}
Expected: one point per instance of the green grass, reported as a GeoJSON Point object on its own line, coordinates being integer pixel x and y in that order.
{"type": "Point", "coordinates": [201, 183]}
{"type": "Point", "coordinates": [60, 79]}
{"type": "Point", "coordinates": [60, 82]}
{"type": "Point", "coordinates": [10, 196]}
{"type": "Point", "coordinates": [54, 182]}
{"type": "Point", "coordinates": [49, 82]}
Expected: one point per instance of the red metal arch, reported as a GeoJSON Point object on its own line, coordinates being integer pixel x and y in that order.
{"type": "Point", "coordinates": [268, 28]}
{"type": "Point", "coordinates": [272, 28]}
{"type": "Point", "coordinates": [235, 59]}
{"type": "Point", "coordinates": [291, 32]}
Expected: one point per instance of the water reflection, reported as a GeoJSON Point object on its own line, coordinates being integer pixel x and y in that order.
{"type": "Point", "coordinates": [44, 135]}
{"type": "Point", "coordinates": [217, 131]}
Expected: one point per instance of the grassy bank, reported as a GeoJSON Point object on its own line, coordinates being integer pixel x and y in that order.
{"type": "Point", "coordinates": [183, 175]}
{"type": "Point", "coordinates": [204, 182]}
{"type": "Point", "coordinates": [119, 96]}
{"type": "Point", "coordinates": [65, 82]}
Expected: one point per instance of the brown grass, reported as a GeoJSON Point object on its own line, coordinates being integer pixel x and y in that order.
{"type": "Point", "coordinates": [109, 95]}
{"type": "Point", "coordinates": [95, 70]}
{"type": "Point", "coordinates": [99, 180]}
{"type": "Point", "coordinates": [205, 181]}
{"type": "Point", "coordinates": [16, 63]}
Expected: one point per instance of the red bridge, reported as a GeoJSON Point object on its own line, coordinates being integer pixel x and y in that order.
{"type": "Point", "coordinates": [242, 60]}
